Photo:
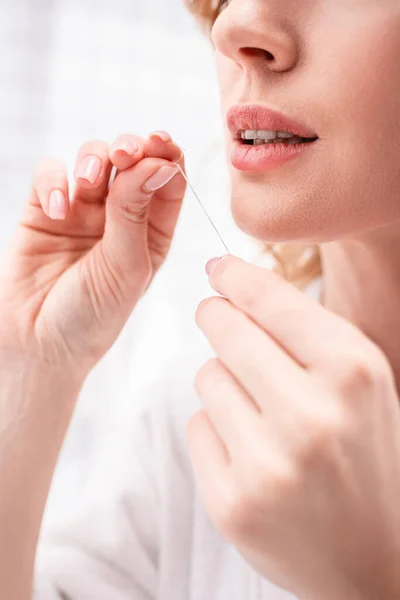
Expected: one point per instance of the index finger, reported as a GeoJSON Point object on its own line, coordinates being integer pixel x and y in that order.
{"type": "Point", "coordinates": [310, 333]}
{"type": "Point", "coordinates": [129, 149]}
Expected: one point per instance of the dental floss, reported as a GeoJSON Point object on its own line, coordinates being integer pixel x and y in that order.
{"type": "Point", "coordinates": [199, 201]}
{"type": "Point", "coordinates": [113, 175]}
{"type": "Point", "coordinates": [112, 178]}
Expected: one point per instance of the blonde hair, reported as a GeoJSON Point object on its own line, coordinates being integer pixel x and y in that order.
{"type": "Point", "coordinates": [298, 263]}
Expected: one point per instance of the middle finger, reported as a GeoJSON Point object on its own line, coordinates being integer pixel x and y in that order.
{"type": "Point", "coordinates": [129, 149]}
{"type": "Point", "coordinates": [234, 414]}
{"type": "Point", "coordinates": [92, 172]}
{"type": "Point", "coordinates": [314, 336]}
{"type": "Point", "coordinates": [262, 367]}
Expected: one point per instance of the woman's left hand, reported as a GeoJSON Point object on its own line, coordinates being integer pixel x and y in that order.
{"type": "Point", "coordinates": [297, 450]}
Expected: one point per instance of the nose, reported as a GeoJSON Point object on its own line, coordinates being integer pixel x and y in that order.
{"type": "Point", "coordinates": [257, 31]}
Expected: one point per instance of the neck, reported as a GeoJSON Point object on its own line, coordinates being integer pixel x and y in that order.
{"type": "Point", "coordinates": [362, 284]}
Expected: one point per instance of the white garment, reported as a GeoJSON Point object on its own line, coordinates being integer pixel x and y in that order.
{"type": "Point", "coordinates": [140, 532]}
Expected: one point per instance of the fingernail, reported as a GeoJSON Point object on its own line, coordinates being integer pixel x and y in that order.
{"type": "Point", "coordinates": [163, 135]}
{"type": "Point", "coordinates": [57, 205]}
{"type": "Point", "coordinates": [213, 263]}
{"type": "Point", "coordinates": [89, 169]}
{"type": "Point", "coordinates": [128, 148]}
{"type": "Point", "coordinates": [160, 178]}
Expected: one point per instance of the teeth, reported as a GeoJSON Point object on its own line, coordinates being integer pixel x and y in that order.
{"type": "Point", "coordinates": [266, 142]}
{"type": "Point", "coordinates": [282, 134]}
{"type": "Point", "coordinates": [260, 137]}
{"type": "Point", "coordinates": [249, 135]}
{"type": "Point", "coordinates": [265, 134]}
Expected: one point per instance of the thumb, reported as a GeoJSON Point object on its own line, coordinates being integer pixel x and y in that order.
{"type": "Point", "coordinates": [125, 240]}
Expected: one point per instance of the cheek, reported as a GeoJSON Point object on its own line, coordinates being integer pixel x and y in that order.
{"type": "Point", "coordinates": [364, 99]}
{"type": "Point", "coordinates": [357, 80]}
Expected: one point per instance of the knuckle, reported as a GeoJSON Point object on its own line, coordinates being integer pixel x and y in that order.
{"type": "Point", "coordinates": [48, 168]}
{"type": "Point", "coordinates": [319, 447]}
{"type": "Point", "coordinates": [209, 312]}
{"type": "Point", "coordinates": [206, 374]}
{"type": "Point", "coordinates": [136, 212]}
{"type": "Point", "coordinates": [361, 371]}
{"type": "Point", "coordinates": [261, 492]}
{"type": "Point", "coordinates": [251, 295]}
{"type": "Point", "coordinates": [48, 174]}
{"type": "Point", "coordinates": [194, 428]}
{"type": "Point", "coordinates": [193, 423]}
{"type": "Point", "coordinates": [158, 251]}
{"type": "Point", "coordinates": [272, 481]}
{"type": "Point", "coordinates": [133, 210]}
{"type": "Point", "coordinates": [128, 137]}
{"type": "Point", "coordinates": [380, 362]}
{"type": "Point", "coordinates": [158, 242]}
{"type": "Point", "coordinates": [327, 428]}
{"type": "Point", "coordinates": [235, 512]}
{"type": "Point", "coordinates": [94, 146]}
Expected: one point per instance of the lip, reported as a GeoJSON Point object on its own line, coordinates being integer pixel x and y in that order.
{"type": "Point", "coordinates": [250, 158]}
{"type": "Point", "coordinates": [256, 159]}
{"type": "Point", "coordinates": [255, 116]}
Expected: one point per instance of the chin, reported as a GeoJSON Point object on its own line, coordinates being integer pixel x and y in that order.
{"type": "Point", "coordinates": [275, 214]}
{"type": "Point", "coordinates": [291, 204]}
{"type": "Point", "coordinates": [268, 217]}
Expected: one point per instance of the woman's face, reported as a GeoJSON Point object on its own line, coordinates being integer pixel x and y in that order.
{"type": "Point", "coordinates": [333, 66]}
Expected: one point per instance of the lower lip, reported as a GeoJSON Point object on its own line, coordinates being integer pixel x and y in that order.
{"type": "Point", "coordinates": [264, 157]}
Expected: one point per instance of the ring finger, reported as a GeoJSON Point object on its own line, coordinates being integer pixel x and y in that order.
{"type": "Point", "coordinates": [261, 366]}
{"type": "Point", "coordinates": [234, 415]}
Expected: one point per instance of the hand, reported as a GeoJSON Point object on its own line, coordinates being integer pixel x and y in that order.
{"type": "Point", "coordinates": [69, 283]}
{"type": "Point", "coordinates": [297, 450]}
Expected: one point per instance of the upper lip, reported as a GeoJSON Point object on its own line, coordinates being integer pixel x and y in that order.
{"type": "Point", "coordinates": [257, 117]}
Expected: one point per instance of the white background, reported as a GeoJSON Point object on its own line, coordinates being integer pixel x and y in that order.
{"type": "Point", "coordinates": [73, 70]}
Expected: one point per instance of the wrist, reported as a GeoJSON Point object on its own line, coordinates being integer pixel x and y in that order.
{"type": "Point", "coordinates": [36, 401]}
{"type": "Point", "coordinates": [30, 365]}
{"type": "Point", "coordinates": [36, 404]}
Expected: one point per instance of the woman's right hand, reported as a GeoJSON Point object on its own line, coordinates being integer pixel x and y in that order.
{"type": "Point", "coordinates": [75, 270]}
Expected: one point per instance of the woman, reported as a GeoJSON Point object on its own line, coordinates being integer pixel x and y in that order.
{"type": "Point", "coordinates": [296, 450]}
